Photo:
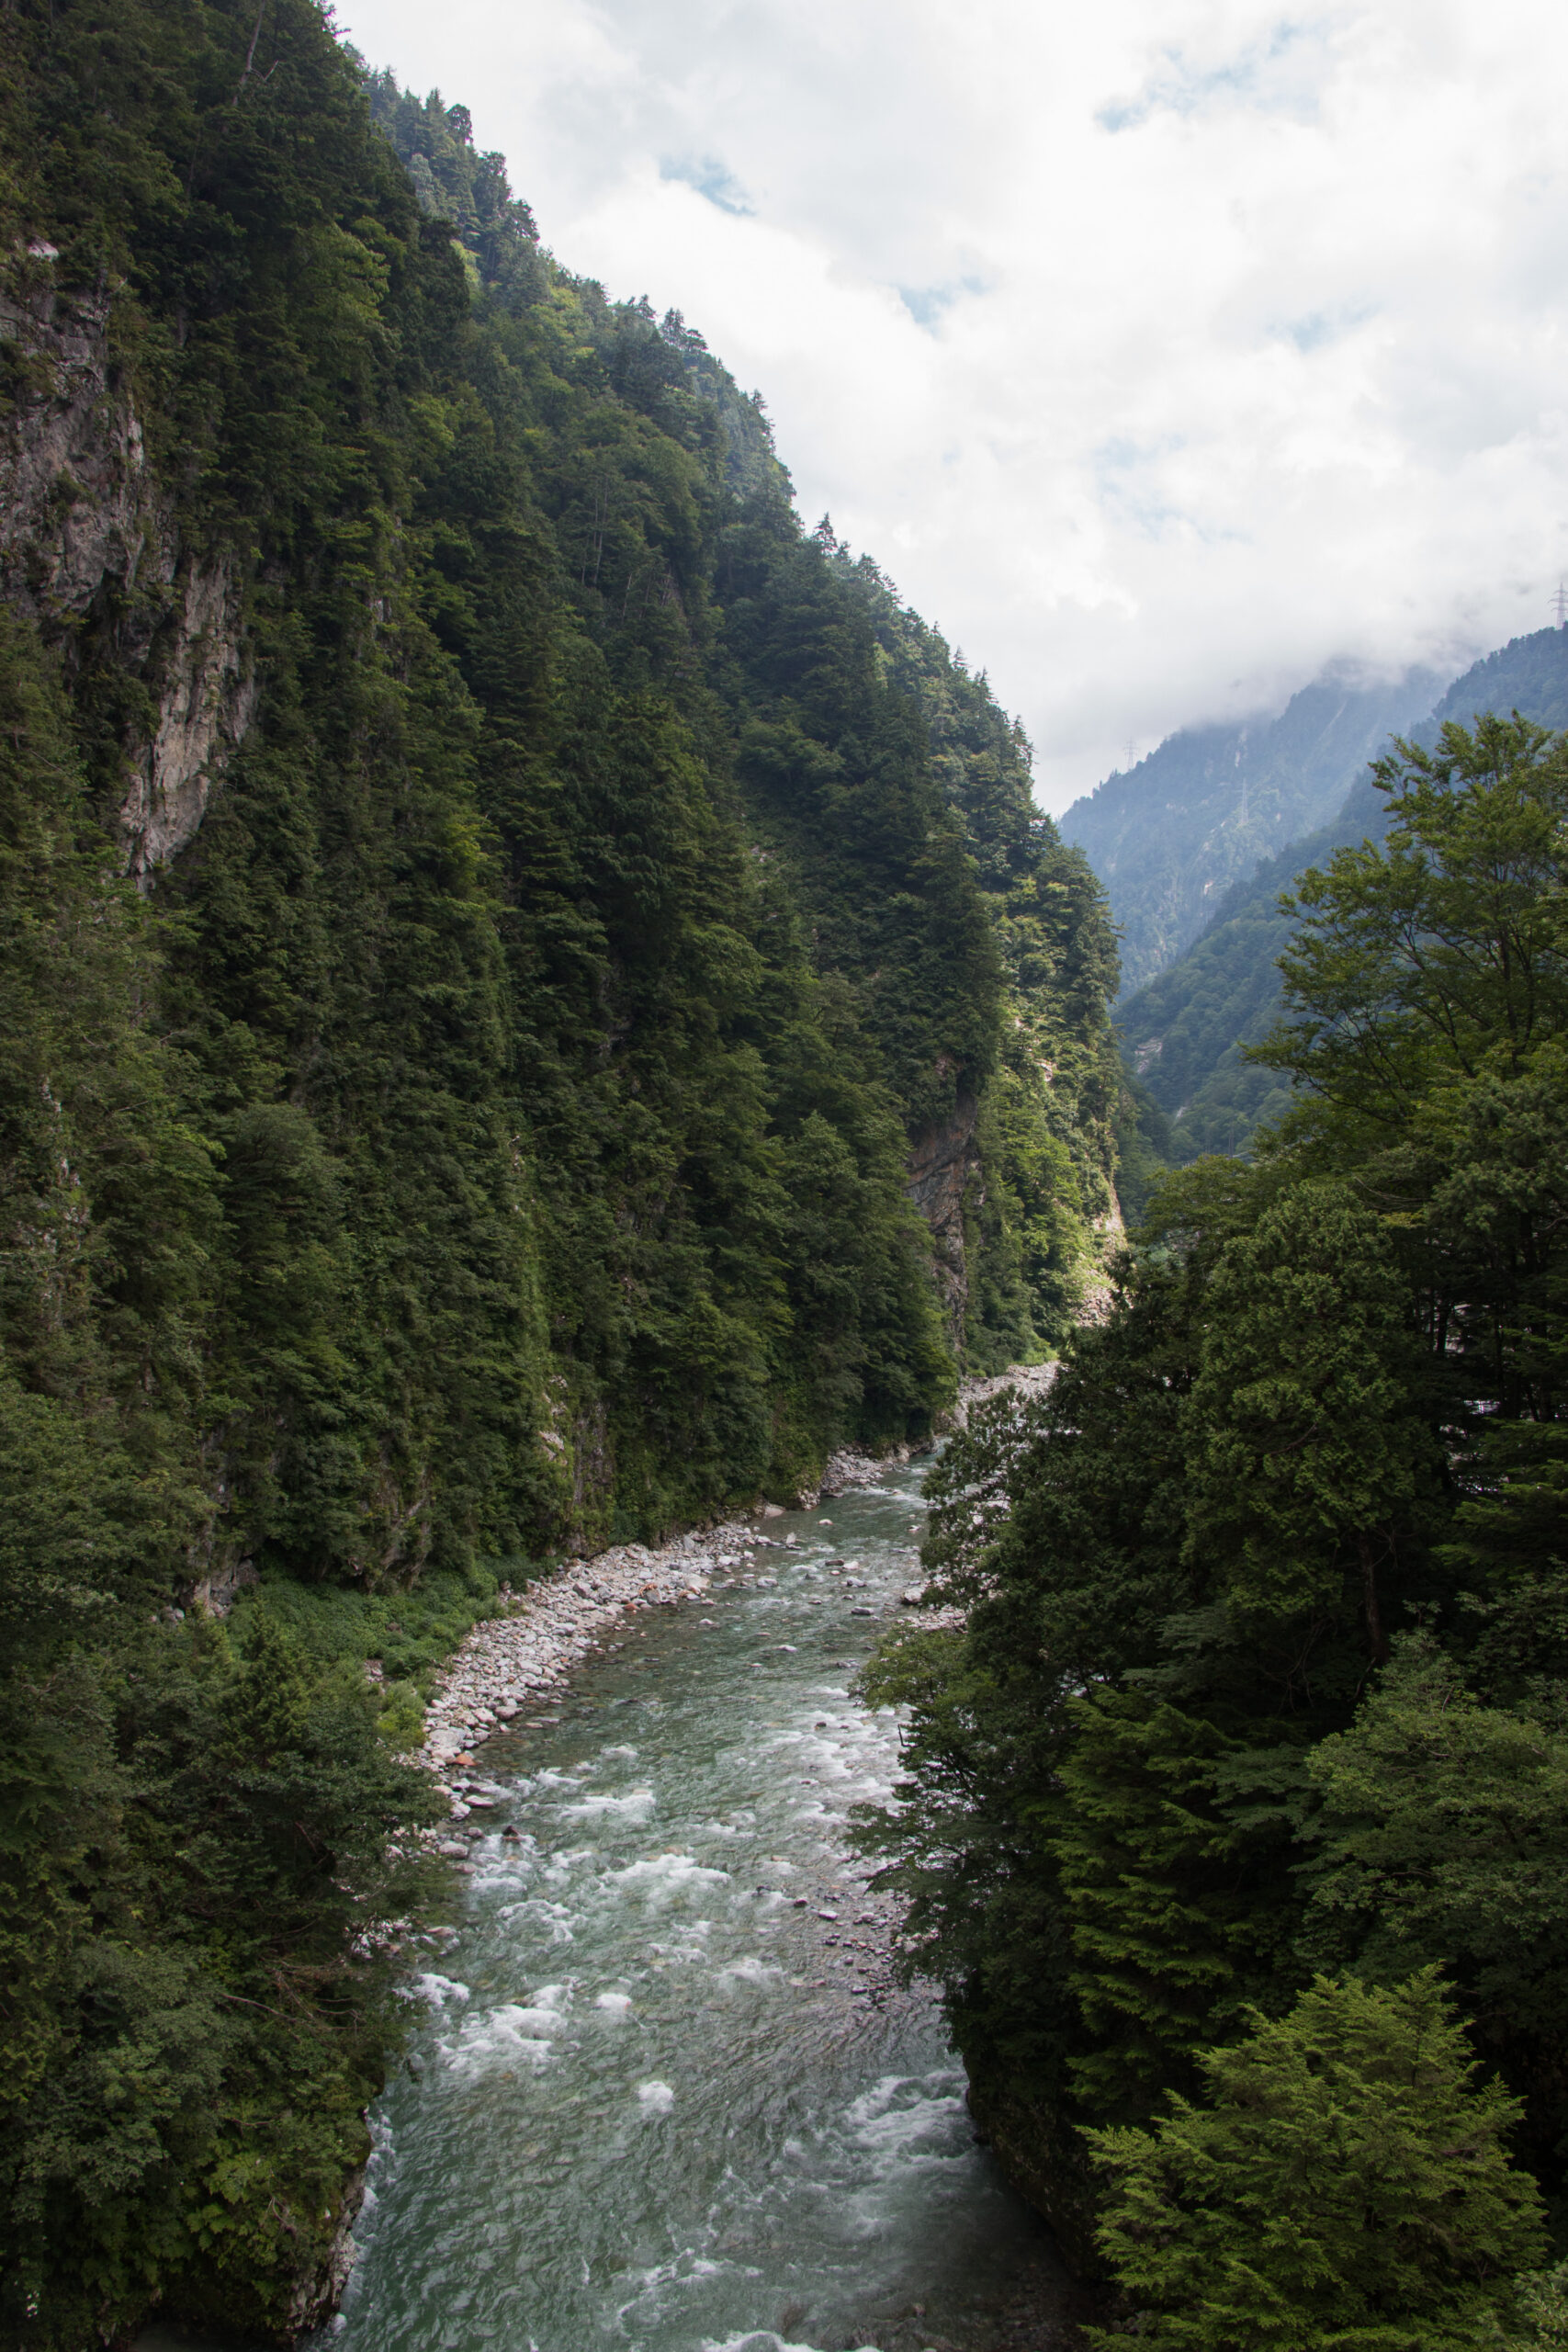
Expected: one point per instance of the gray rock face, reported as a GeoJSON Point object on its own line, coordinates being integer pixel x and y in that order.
{"type": "Point", "coordinates": [940, 1166]}
{"type": "Point", "coordinates": [317, 2293]}
{"type": "Point", "coordinates": [214, 1593]}
{"type": "Point", "coordinates": [81, 516]}
{"type": "Point", "coordinates": [75, 500]}
{"type": "Point", "coordinates": [204, 712]}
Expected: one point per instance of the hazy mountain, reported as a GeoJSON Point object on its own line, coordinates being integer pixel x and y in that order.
{"type": "Point", "coordinates": [1184, 1030]}
{"type": "Point", "coordinates": [1170, 837]}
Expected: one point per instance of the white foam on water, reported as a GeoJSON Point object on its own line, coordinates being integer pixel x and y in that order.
{"type": "Point", "coordinates": [655, 2098]}
{"type": "Point", "coordinates": [565, 1860]}
{"type": "Point", "coordinates": [499, 1872]}
{"type": "Point", "coordinates": [617, 1751]}
{"type": "Point", "coordinates": [659, 1877]}
{"type": "Point", "coordinates": [513, 2030]}
{"type": "Point", "coordinates": [761, 2339]}
{"type": "Point", "coordinates": [553, 1916]}
{"type": "Point", "coordinates": [752, 1971]}
{"type": "Point", "coordinates": [691, 1952]}
{"type": "Point", "coordinates": [880, 2097]}
{"type": "Point", "coordinates": [616, 2004]}
{"type": "Point", "coordinates": [635, 1806]}
{"type": "Point", "coordinates": [895, 2132]}
{"type": "Point", "coordinates": [438, 1990]}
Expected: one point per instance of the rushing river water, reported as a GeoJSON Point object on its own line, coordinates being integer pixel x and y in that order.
{"type": "Point", "coordinates": [653, 2107]}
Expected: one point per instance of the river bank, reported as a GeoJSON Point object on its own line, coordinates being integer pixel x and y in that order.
{"type": "Point", "coordinates": [662, 2094]}
{"type": "Point", "coordinates": [525, 1657]}
{"type": "Point", "coordinates": [516, 1676]}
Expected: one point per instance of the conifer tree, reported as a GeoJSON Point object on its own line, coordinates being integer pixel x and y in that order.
{"type": "Point", "coordinates": [1343, 2187]}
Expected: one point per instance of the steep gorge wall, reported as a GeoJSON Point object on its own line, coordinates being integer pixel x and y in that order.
{"type": "Point", "coordinates": [446, 674]}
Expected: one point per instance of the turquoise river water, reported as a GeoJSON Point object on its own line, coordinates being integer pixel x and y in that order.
{"type": "Point", "coordinates": [659, 2100]}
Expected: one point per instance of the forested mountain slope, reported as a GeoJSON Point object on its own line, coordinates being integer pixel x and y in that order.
{"type": "Point", "coordinates": [536, 1003]}
{"type": "Point", "coordinates": [1185, 1032]}
{"type": "Point", "coordinates": [1236, 1819]}
{"type": "Point", "coordinates": [1170, 836]}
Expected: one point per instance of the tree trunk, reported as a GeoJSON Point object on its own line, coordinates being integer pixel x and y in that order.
{"type": "Point", "coordinates": [1377, 1640]}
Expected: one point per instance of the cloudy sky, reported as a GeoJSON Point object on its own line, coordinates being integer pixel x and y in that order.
{"type": "Point", "coordinates": [1161, 350]}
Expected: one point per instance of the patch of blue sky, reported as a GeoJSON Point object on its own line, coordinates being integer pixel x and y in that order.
{"type": "Point", "coordinates": [928, 305]}
{"type": "Point", "coordinates": [1118, 458]}
{"type": "Point", "coordinates": [1267, 76]}
{"type": "Point", "coordinates": [710, 178]}
{"type": "Point", "coordinates": [1320, 327]}
{"type": "Point", "coordinates": [1126, 484]}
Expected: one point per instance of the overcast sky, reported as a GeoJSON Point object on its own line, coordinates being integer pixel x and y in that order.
{"type": "Point", "coordinates": [1161, 350]}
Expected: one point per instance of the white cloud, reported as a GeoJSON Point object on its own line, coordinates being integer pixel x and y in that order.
{"type": "Point", "coordinates": [1160, 351]}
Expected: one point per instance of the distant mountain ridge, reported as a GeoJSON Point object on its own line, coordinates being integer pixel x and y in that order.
{"type": "Point", "coordinates": [1170, 837]}
{"type": "Point", "coordinates": [1184, 1032]}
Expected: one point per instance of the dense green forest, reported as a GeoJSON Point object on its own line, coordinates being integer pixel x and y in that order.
{"type": "Point", "coordinates": [1186, 1033]}
{"type": "Point", "coordinates": [535, 1004]}
{"type": "Point", "coordinates": [1236, 1824]}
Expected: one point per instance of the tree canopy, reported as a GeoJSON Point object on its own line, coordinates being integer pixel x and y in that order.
{"type": "Point", "coordinates": [1262, 1676]}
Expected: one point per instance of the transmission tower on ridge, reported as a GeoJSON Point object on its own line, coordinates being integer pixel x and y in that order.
{"type": "Point", "coordinates": [1559, 604]}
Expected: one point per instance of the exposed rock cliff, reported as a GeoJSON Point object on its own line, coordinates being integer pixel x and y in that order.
{"type": "Point", "coordinates": [203, 708]}
{"type": "Point", "coordinates": [942, 1162]}
{"type": "Point", "coordinates": [88, 540]}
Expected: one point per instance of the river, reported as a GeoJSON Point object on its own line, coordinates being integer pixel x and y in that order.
{"type": "Point", "coordinates": [659, 2100]}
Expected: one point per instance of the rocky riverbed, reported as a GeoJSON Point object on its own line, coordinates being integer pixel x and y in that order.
{"type": "Point", "coordinates": [664, 2090]}
{"type": "Point", "coordinates": [515, 1666]}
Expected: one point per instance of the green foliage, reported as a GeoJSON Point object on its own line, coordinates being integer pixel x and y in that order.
{"type": "Point", "coordinates": [204, 1837]}
{"type": "Point", "coordinates": [1345, 2188]}
{"type": "Point", "coordinates": [1268, 1613]}
{"type": "Point", "coordinates": [1540, 2314]}
{"type": "Point", "coordinates": [1310, 1443]}
{"type": "Point", "coordinates": [1163, 1905]}
{"type": "Point", "coordinates": [1186, 1031]}
{"type": "Point", "coordinates": [406, 1632]}
{"type": "Point", "coordinates": [1443, 951]}
{"type": "Point", "coordinates": [1442, 1836]}
{"type": "Point", "coordinates": [452, 183]}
